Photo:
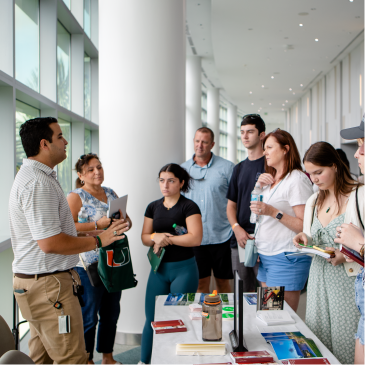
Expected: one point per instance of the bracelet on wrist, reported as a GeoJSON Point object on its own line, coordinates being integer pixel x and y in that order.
{"type": "Point", "coordinates": [234, 226]}
{"type": "Point", "coordinates": [96, 243]}
{"type": "Point", "coordinates": [153, 235]}
{"type": "Point", "coordinates": [96, 225]}
{"type": "Point", "coordinates": [99, 242]}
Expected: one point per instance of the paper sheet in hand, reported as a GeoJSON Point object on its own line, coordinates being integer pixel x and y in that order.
{"type": "Point", "coordinates": [115, 205]}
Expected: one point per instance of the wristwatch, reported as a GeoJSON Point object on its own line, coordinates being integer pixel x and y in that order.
{"type": "Point", "coordinates": [279, 215]}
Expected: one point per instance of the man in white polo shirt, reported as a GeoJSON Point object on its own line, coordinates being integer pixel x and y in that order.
{"type": "Point", "coordinates": [46, 247]}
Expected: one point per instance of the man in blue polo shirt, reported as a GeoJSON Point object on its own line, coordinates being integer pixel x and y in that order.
{"type": "Point", "coordinates": [211, 175]}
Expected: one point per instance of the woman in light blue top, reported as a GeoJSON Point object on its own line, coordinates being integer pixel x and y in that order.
{"type": "Point", "coordinates": [95, 198]}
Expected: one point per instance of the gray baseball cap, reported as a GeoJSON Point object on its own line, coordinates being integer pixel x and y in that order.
{"type": "Point", "coordinates": [355, 132]}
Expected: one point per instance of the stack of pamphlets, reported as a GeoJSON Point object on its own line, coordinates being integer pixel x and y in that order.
{"type": "Point", "coordinates": [168, 326]}
{"type": "Point", "coordinates": [251, 357]}
{"type": "Point", "coordinates": [292, 345]}
{"type": "Point", "coordinates": [275, 318]}
{"type": "Point", "coordinates": [201, 348]}
{"type": "Point", "coordinates": [270, 298]}
{"type": "Point", "coordinates": [190, 298]}
{"type": "Point", "coordinates": [312, 250]}
{"type": "Point", "coordinates": [195, 307]}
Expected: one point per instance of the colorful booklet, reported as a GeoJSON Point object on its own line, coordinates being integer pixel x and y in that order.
{"type": "Point", "coordinates": [176, 299]}
{"type": "Point", "coordinates": [270, 298]}
{"type": "Point", "coordinates": [168, 326]}
{"type": "Point", "coordinates": [297, 347]}
{"type": "Point", "coordinates": [306, 250]}
{"type": "Point", "coordinates": [251, 299]}
{"type": "Point", "coordinates": [251, 357]}
{"type": "Point", "coordinates": [352, 254]}
{"type": "Point", "coordinates": [155, 259]}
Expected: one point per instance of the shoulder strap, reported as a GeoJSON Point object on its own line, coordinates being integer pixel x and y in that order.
{"type": "Point", "coordinates": [314, 208]}
{"type": "Point", "coordinates": [358, 210]}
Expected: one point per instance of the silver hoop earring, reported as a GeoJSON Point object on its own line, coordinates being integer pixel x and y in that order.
{"type": "Point", "coordinates": [82, 182]}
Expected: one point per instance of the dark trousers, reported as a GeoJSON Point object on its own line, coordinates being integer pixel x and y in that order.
{"type": "Point", "coordinates": [99, 302]}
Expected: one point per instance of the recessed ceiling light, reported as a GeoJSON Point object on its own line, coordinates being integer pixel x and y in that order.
{"type": "Point", "coordinates": [301, 85]}
{"type": "Point", "coordinates": [272, 77]}
{"type": "Point", "coordinates": [351, 1]}
{"type": "Point", "coordinates": [286, 101]}
{"type": "Point", "coordinates": [252, 103]}
{"type": "Point", "coordinates": [316, 39]}
{"type": "Point", "coordinates": [269, 103]}
{"type": "Point", "coordinates": [293, 93]}
{"type": "Point", "coordinates": [282, 109]}
{"type": "Point", "coordinates": [283, 104]}
{"type": "Point", "coordinates": [290, 89]}
{"type": "Point", "coordinates": [250, 92]}
{"type": "Point", "coordinates": [262, 85]}
{"type": "Point", "coordinates": [300, 24]}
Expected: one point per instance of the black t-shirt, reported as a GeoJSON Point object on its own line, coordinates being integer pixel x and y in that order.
{"type": "Point", "coordinates": [163, 220]}
{"type": "Point", "coordinates": [243, 180]}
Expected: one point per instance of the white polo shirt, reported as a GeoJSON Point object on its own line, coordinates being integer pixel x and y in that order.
{"type": "Point", "coordinates": [38, 209]}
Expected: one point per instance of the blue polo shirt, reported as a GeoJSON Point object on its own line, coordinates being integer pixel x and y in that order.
{"type": "Point", "coordinates": [209, 191]}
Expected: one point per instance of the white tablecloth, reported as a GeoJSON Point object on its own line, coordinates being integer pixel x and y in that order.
{"type": "Point", "coordinates": [164, 345]}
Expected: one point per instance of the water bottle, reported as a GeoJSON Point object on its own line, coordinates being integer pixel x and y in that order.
{"type": "Point", "coordinates": [256, 196]}
{"type": "Point", "coordinates": [83, 217]}
{"type": "Point", "coordinates": [212, 317]}
{"type": "Point", "coordinates": [179, 229]}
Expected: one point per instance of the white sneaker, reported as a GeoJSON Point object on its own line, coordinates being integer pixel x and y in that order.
{"type": "Point", "coordinates": [140, 362]}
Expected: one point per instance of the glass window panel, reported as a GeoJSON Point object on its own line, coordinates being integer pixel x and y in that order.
{"type": "Point", "coordinates": [87, 24]}
{"type": "Point", "coordinates": [87, 87]}
{"type": "Point", "coordinates": [22, 114]}
{"type": "Point", "coordinates": [68, 3]}
{"type": "Point", "coordinates": [63, 66]}
{"type": "Point", "coordinates": [64, 169]}
{"type": "Point", "coordinates": [87, 147]}
{"type": "Point", "coordinates": [27, 42]}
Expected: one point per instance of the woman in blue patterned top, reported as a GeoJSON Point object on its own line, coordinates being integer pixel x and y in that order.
{"type": "Point", "coordinates": [95, 198]}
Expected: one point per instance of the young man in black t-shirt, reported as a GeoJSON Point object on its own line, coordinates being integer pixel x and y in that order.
{"type": "Point", "coordinates": [244, 177]}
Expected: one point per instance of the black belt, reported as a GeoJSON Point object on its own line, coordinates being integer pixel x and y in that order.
{"type": "Point", "coordinates": [25, 276]}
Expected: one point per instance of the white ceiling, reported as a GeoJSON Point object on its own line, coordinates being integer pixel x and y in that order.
{"type": "Point", "coordinates": [243, 43]}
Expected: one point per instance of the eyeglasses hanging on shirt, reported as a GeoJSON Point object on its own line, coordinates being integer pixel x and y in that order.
{"type": "Point", "coordinates": [198, 173]}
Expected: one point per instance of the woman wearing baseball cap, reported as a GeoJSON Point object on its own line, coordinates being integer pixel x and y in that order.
{"type": "Point", "coordinates": [353, 237]}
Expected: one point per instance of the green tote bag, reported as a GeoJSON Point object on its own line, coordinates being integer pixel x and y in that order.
{"type": "Point", "coordinates": [115, 266]}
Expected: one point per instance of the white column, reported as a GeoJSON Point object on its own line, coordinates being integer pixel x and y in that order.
{"type": "Point", "coordinates": [232, 133]}
{"type": "Point", "coordinates": [142, 115]}
{"type": "Point", "coordinates": [78, 146]}
{"type": "Point", "coordinates": [213, 115]}
{"type": "Point", "coordinates": [77, 67]}
{"type": "Point", "coordinates": [193, 101]}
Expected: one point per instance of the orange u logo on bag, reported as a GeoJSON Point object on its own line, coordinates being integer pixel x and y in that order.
{"type": "Point", "coordinates": [112, 263]}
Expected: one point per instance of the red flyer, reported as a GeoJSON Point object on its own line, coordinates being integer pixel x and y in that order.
{"type": "Point", "coordinates": [168, 326]}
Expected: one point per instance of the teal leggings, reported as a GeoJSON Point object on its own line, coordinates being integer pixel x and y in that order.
{"type": "Point", "coordinates": [171, 277]}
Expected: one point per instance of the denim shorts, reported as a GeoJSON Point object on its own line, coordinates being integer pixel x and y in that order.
{"type": "Point", "coordinates": [280, 270]}
{"type": "Point", "coordinates": [359, 298]}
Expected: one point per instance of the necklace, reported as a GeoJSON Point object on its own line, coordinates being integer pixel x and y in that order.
{"type": "Point", "coordinates": [329, 208]}
{"type": "Point", "coordinates": [168, 208]}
